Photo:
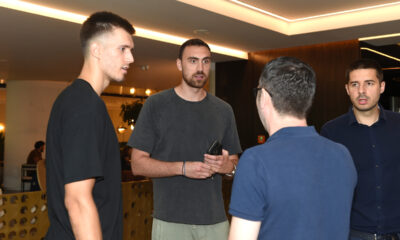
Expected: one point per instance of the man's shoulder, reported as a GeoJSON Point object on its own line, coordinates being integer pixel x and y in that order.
{"type": "Point", "coordinates": [217, 100]}
{"type": "Point", "coordinates": [160, 97]}
{"type": "Point", "coordinates": [259, 152]}
{"type": "Point", "coordinates": [392, 115]}
{"type": "Point", "coordinates": [219, 105]}
{"type": "Point", "coordinates": [338, 121]}
{"type": "Point", "coordinates": [78, 97]}
{"type": "Point", "coordinates": [78, 90]}
{"type": "Point", "coordinates": [332, 146]}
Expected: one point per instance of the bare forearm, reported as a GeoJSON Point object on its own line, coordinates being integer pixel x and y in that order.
{"type": "Point", "coordinates": [82, 210]}
{"type": "Point", "coordinates": [84, 220]}
{"type": "Point", "coordinates": [154, 168]}
{"type": "Point", "coordinates": [143, 164]}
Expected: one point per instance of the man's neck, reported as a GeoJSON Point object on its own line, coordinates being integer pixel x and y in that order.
{"type": "Point", "coordinates": [94, 78]}
{"type": "Point", "coordinates": [283, 121]}
{"type": "Point", "coordinates": [190, 93]}
{"type": "Point", "coordinates": [367, 117]}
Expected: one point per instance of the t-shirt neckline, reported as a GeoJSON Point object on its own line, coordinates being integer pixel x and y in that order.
{"type": "Point", "coordinates": [186, 101]}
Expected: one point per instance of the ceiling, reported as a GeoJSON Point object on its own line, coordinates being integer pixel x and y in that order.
{"type": "Point", "coordinates": [34, 47]}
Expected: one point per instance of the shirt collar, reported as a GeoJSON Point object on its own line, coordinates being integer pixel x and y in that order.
{"type": "Point", "coordinates": [293, 131]}
{"type": "Point", "coordinates": [353, 120]}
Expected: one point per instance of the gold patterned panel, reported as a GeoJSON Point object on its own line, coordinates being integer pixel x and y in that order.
{"type": "Point", "coordinates": [23, 216]}
{"type": "Point", "coordinates": [137, 209]}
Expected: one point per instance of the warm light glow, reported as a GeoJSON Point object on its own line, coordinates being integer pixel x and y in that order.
{"type": "Point", "coordinates": [2, 127]}
{"type": "Point", "coordinates": [132, 91]}
{"type": "Point", "coordinates": [140, 32]}
{"type": "Point", "coordinates": [380, 53]}
{"type": "Point", "coordinates": [335, 20]}
{"type": "Point", "coordinates": [121, 129]}
{"type": "Point", "coordinates": [43, 11]}
{"type": "Point", "coordinates": [132, 127]}
{"type": "Point", "coordinates": [148, 92]}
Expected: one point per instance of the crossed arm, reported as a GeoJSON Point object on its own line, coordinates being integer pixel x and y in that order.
{"type": "Point", "coordinates": [82, 210]}
{"type": "Point", "coordinates": [143, 164]}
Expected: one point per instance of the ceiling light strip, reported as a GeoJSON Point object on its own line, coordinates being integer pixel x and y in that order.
{"type": "Point", "coordinates": [312, 17]}
{"type": "Point", "coordinates": [43, 11]}
{"type": "Point", "coordinates": [140, 32]}
{"type": "Point", "coordinates": [380, 36]}
{"type": "Point", "coordinates": [261, 10]}
{"type": "Point", "coordinates": [380, 53]}
{"type": "Point", "coordinates": [145, 33]}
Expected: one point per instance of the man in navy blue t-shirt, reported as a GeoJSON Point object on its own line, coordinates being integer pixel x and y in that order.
{"type": "Point", "coordinates": [372, 135]}
{"type": "Point", "coordinates": [298, 185]}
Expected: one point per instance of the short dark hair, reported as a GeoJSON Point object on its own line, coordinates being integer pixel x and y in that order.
{"type": "Point", "coordinates": [192, 42]}
{"type": "Point", "coordinates": [365, 63]}
{"type": "Point", "coordinates": [291, 84]}
{"type": "Point", "coordinates": [101, 22]}
{"type": "Point", "coordinates": [39, 144]}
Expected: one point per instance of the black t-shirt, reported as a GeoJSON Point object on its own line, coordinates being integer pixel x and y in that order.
{"type": "Point", "coordinates": [81, 144]}
{"type": "Point", "coordinates": [174, 130]}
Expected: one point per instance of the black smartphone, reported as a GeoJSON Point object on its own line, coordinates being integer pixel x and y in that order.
{"type": "Point", "coordinates": [215, 148]}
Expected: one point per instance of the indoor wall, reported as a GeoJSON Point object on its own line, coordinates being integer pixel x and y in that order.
{"type": "Point", "coordinates": [235, 80]}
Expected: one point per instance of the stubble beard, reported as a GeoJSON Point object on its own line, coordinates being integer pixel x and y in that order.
{"type": "Point", "coordinates": [192, 82]}
{"type": "Point", "coordinates": [364, 108]}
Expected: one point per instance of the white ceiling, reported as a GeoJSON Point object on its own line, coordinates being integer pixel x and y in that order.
{"type": "Point", "coordinates": [34, 47]}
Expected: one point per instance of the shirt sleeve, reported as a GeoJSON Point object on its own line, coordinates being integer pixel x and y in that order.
{"type": "Point", "coordinates": [144, 134]}
{"type": "Point", "coordinates": [231, 137]}
{"type": "Point", "coordinates": [249, 192]}
{"type": "Point", "coordinates": [81, 154]}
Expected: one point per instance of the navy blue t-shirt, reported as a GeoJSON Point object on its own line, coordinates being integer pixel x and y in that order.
{"type": "Point", "coordinates": [298, 184]}
{"type": "Point", "coordinates": [376, 154]}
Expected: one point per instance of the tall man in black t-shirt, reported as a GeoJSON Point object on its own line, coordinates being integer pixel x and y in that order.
{"type": "Point", "coordinates": [82, 158]}
{"type": "Point", "coordinates": [174, 130]}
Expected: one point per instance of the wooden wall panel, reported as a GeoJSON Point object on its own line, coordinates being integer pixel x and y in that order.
{"type": "Point", "coordinates": [234, 81]}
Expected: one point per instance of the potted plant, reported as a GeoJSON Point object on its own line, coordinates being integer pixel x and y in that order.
{"type": "Point", "coordinates": [130, 111]}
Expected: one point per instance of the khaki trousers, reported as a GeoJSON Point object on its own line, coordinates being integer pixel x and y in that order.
{"type": "Point", "coordinates": [176, 231]}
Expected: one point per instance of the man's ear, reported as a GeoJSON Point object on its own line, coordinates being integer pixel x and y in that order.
{"type": "Point", "coordinates": [179, 64]}
{"type": "Point", "coordinates": [346, 86]}
{"type": "Point", "coordinates": [95, 49]}
{"type": "Point", "coordinates": [382, 84]}
{"type": "Point", "coordinates": [263, 98]}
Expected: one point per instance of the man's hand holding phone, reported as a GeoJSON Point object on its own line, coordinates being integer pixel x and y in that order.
{"type": "Point", "coordinates": [218, 159]}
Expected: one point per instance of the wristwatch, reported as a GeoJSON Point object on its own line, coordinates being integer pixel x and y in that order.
{"type": "Point", "coordinates": [233, 171]}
